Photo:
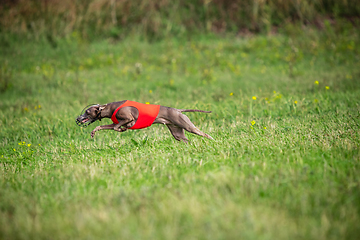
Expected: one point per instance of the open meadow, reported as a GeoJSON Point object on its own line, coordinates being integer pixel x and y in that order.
{"type": "Point", "coordinates": [285, 162]}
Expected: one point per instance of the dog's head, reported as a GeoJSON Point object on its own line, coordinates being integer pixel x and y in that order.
{"type": "Point", "coordinates": [89, 116]}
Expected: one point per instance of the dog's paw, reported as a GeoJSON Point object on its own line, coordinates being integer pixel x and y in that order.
{"type": "Point", "coordinates": [120, 129]}
{"type": "Point", "coordinates": [93, 134]}
{"type": "Point", "coordinates": [123, 129]}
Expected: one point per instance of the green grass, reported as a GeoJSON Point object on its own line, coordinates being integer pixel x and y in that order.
{"type": "Point", "coordinates": [278, 169]}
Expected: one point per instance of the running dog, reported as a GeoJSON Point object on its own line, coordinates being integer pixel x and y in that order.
{"type": "Point", "coordinates": [133, 115]}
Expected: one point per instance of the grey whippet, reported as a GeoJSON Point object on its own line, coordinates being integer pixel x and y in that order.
{"type": "Point", "coordinates": [124, 117]}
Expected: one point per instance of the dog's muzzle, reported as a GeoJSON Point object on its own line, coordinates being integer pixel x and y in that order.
{"type": "Point", "coordinates": [84, 122]}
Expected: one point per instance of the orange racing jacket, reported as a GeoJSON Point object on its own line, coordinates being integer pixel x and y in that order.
{"type": "Point", "coordinates": [147, 114]}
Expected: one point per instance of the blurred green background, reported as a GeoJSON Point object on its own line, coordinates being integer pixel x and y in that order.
{"type": "Point", "coordinates": [154, 20]}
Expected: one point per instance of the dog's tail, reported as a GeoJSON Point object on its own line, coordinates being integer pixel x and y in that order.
{"type": "Point", "coordinates": [193, 110]}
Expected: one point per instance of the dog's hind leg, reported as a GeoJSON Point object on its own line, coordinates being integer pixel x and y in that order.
{"type": "Point", "coordinates": [178, 133]}
{"type": "Point", "coordinates": [184, 122]}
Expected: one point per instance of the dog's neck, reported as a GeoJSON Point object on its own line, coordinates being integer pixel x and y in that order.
{"type": "Point", "coordinates": [106, 111]}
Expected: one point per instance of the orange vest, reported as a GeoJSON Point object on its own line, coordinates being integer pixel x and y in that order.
{"type": "Point", "coordinates": [147, 114]}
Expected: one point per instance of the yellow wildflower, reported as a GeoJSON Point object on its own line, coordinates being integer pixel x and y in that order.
{"type": "Point", "coordinates": [254, 98]}
{"type": "Point", "coordinates": [274, 92]}
{"type": "Point", "coordinates": [252, 122]}
{"type": "Point", "coordinates": [150, 91]}
{"type": "Point", "coordinates": [147, 103]}
{"type": "Point", "coordinates": [316, 82]}
{"type": "Point", "coordinates": [295, 102]}
{"type": "Point", "coordinates": [327, 87]}
{"type": "Point", "coordinates": [29, 145]}
{"type": "Point", "coordinates": [231, 94]}
{"type": "Point", "coordinates": [264, 127]}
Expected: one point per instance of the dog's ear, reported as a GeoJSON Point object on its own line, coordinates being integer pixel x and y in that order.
{"type": "Point", "coordinates": [97, 108]}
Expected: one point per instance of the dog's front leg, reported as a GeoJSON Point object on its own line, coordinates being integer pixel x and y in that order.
{"type": "Point", "coordinates": [103, 127]}
{"type": "Point", "coordinates": [124, 124]}
{"type": "Point", "coordinates": [116, 127]}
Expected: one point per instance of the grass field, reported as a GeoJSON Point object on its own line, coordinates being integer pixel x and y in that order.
{"type": "Point", "coordinates": [285, 162]}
